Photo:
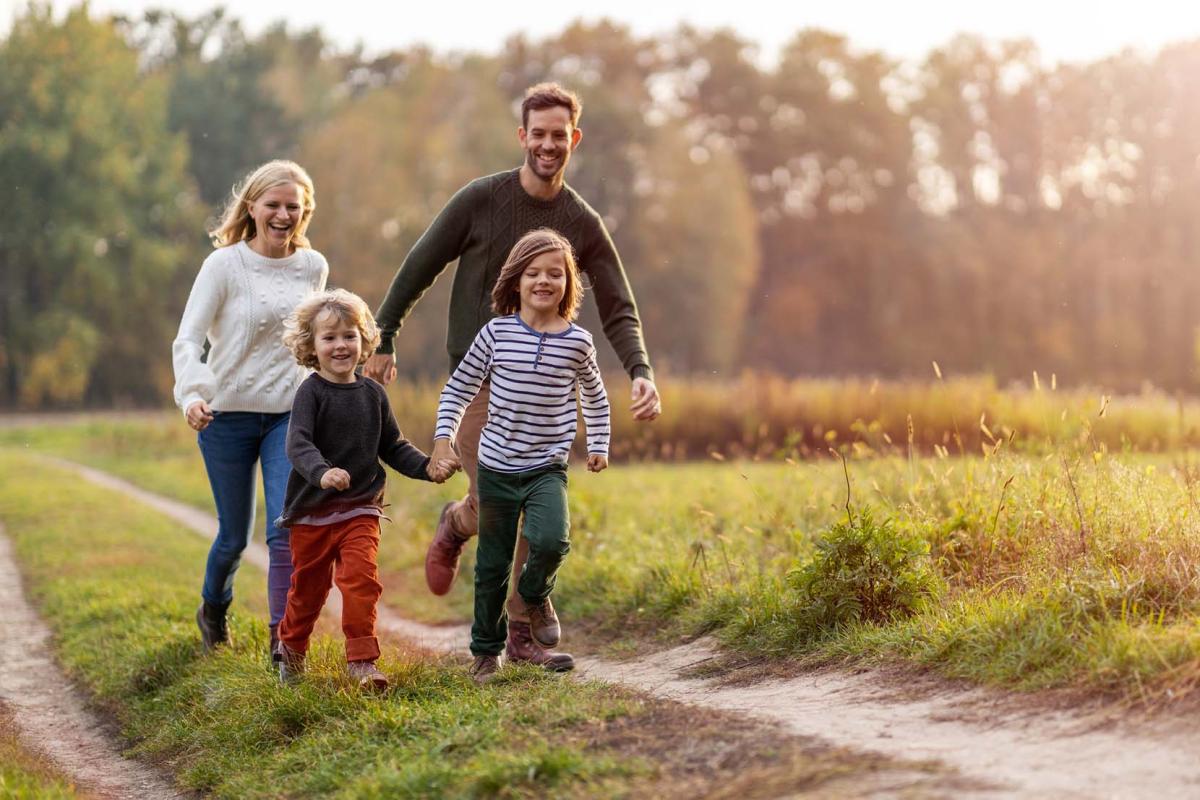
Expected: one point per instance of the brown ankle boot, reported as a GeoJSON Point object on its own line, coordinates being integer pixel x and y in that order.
{"type": "Point", "coordinates": [522, 649]}
{"type": "Point", "coordinates": [441, 559]}
{"type": "Point", "coordinates": [543, 623]}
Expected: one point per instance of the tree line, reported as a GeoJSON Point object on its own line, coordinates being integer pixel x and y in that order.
{"type": "Point", "coordinates": [835, 213]}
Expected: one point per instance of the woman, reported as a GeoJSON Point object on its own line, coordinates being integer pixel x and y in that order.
{"type": "Point", "coordinates": [239, 398]}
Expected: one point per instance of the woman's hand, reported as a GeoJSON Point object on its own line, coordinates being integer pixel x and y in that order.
{"type": "Point", "coordinates": [335, 478]}
{"type": "Point", "coordinates": [199, 415]}
{"type": "Point", "coordinates": [597, 462]}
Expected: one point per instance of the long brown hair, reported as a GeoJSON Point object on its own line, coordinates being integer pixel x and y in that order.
{"type": "Point", "coordinates": [506, 296]}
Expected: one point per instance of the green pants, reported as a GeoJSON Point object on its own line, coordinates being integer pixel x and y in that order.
{"type": "Point", "coordinates": [542, 495]}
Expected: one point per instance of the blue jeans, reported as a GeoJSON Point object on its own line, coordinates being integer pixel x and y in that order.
{"type": "Point", "coordinates": [231, 445]}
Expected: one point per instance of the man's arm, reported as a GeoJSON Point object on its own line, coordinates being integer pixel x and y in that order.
{"type": "Point", "coordinates": [442, 242]}
{"type": "Point", "coordinates": [619, 318]}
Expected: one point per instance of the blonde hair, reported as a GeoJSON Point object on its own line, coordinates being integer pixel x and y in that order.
{"type": "Point", "coordinates": [237, 225]}
{"type": "Point", "coordinates": [506, 296]}
{"type": "Point", "coordinates": [300, 326]}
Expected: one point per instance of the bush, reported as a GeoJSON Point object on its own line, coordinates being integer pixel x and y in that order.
{"type": "Point", "coordinates": [863, 571]}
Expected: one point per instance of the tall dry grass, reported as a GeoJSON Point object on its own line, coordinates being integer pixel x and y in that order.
{"type": "Point", "coordinates": [768, 417]}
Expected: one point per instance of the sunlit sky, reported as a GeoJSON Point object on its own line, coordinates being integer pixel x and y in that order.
{"type": "Point", "coordinates": [1065, 30]}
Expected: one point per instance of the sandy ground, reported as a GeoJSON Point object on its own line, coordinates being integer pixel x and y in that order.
{"type": "Point", "coordinates": [51, 715]}
{"type": "Point", "coordinates": [1003, 745]}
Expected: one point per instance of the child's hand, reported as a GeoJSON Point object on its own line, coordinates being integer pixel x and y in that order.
{"type": "Point", "coordinates": [335, 478]}
{"type": "Point", "coordinates": [442, 451]}
{"type": "Point", "coordinates": [597, 462]}
{"type": "Point", "coordinates": [441, 470]}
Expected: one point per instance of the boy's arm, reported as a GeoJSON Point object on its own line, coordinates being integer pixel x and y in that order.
{"type": "Point", "coordinates": [396, 451]}
{"type": "Point", "coordinates": [595, 406]}
{"type": "Point", "coordinates": [464, 384]}
{"type": "Point", "coordinates": [301, 451]}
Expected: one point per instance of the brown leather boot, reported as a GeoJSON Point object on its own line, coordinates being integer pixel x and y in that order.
{"type": "Point", "coordinates": [441, 559]}
{"type": "Point", "coordinates": [485, 668]}
{"type": "Point", "coordinates": [522, 649]}
{"type": "Point", "coordinates": [543, 624]}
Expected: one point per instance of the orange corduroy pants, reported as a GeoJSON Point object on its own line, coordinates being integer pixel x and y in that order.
{"type": "Point", "coordinates": [322, 555]}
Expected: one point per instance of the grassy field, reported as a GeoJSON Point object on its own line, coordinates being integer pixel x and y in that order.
{"type": "Point", "coordinates": [117, 585]}
{"type": "Point", "coordinates": [1075, 567]}
{"type": "Point", "coordinates": [25, 775]}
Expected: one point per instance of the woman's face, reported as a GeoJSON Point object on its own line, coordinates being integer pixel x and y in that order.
{"type": "Point", "coordinates": [277, 213]}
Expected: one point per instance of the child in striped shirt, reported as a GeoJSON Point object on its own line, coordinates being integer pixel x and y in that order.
{"type": "Point", "coordinates": [537, 362]}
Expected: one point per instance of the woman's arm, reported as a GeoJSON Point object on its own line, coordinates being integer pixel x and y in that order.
{"type": "Point", "coordinates": [194, 380]}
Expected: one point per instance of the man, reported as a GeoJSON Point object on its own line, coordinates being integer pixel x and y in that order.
{"type": "Point", "coordinates": [478, 227]}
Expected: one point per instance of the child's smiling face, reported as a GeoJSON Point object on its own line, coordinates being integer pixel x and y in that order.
{"type": "Point", "coordinates": [338, 345]}
{"type": "Point", "coordinates": [544, 283]}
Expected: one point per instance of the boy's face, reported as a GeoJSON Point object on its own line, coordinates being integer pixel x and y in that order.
{"type": "Point", "coordinates": [338, 347]}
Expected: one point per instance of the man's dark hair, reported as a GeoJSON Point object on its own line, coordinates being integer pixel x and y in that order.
{"type": "Point", "coordinates": [550, 95]}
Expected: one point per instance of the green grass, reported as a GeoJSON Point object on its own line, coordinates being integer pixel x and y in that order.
{"type": "Point", "coordinates": [25, 775]}
{"type": "Point", "coordinates": [118, 585]}
{"type": "Point", "coordinates": [1079, 567]}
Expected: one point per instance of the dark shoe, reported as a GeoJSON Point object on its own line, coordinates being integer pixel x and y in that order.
{"type": "Point", "coordinates": [441, 560]}
{"type": "Point", "coordinates": [274, 646]}
{"type": "Point", "coordinates": [367, 675]}
{"type": "Point", "coordinates": [543, 624]}
{"type": "Point", "coordinates": [290, 662]}
{"type": "Point", "coordinates": [485, 668]}
{"type": "Point", "coordinates": [211, 621]}
{"type": "Point", "coordinates": [522, 649]}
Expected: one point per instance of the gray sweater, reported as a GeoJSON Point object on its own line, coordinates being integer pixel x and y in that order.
{"type": "Point", "coordinates": [349, 426]}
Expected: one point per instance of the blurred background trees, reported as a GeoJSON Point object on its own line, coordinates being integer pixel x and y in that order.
{"type": "Point", "coordinates": [835, 213]}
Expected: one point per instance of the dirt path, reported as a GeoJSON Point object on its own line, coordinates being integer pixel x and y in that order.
{"type": "Point", "coordinates": [49, 713]}
{"type": "Point", "coordinates": [999, 742]}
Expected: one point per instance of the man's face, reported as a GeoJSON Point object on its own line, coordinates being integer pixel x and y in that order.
{"type": "Point", "coordinates": [548, 141]}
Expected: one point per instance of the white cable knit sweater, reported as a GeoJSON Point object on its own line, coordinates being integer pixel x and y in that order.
{"type": "Point", "coordinates": [239, 302]}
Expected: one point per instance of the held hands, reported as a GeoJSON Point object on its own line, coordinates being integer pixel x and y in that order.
{"type": "Point", "coordinates": [646, 405]}
{"type": "Point", "coordinates": [381, 368]}
{"type": "Point", "coordinates": [335, 478]}
{"type": "Point", "coordinates": [597, 462]}
{"type": "Point", "coordinates": [442, 461]}
{"type": "Point", "coordinates": [199, 415]}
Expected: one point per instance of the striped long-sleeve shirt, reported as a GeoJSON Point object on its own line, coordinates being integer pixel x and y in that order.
{"type": "Point", "coordinates": [532, 401]}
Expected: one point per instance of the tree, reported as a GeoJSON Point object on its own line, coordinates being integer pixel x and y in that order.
{"type": "Point", "coordinates": [96, 191]}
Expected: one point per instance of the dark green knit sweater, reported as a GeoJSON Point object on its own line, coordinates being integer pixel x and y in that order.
{"type": "Point", "coordinates": [479, 226]}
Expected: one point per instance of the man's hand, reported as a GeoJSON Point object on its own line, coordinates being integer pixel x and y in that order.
{"type": "Point", "coordinates": [199, 415]}
{"type": "Point", "coordinates": [335, 478]}
{"type": "Point", "coordinates": [381, 368]}
{"type": "Point", "coordinates": [597, 462]}
{"type": "Point", "coordinates": [646, 405]}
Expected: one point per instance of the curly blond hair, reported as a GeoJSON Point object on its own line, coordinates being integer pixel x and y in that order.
{"type": "Point", "coordinates": [300, 326]}
{"type": "Point", "coordinates": [506, 295]}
